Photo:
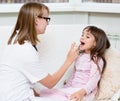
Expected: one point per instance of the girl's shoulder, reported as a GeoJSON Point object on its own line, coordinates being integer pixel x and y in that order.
{"type": "Point", "coordinates": [84, 55]}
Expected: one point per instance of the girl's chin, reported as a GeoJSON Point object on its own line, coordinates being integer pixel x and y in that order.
{"type": "Point", "coordinates": [81, 48]}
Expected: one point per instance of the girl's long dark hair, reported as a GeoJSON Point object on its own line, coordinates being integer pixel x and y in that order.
{"type": "Point", "coordinates": [102, 43]}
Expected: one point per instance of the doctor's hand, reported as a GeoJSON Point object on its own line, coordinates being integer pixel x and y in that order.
{"type": "Point", "coordinates": [73, 53]}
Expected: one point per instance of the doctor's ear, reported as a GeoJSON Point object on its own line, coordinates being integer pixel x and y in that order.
{"type": "Point", "coordinates": [36, 19]}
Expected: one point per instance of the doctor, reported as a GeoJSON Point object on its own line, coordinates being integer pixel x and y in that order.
{"type": "Point", "coordinates": [20, 66]}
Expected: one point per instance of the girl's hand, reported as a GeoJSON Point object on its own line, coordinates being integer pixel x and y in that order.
{"type": "Point", "coordinates": [78, 96]}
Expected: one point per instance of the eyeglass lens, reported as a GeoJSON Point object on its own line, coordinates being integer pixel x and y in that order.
{"type": "Point", "coordinates": [46, 18]}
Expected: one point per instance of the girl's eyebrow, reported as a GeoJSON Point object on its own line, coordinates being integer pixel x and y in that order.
{"type": "Point", "coordinates": [88, 33]}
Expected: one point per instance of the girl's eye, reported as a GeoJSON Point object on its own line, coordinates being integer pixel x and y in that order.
{"type": "Point", "coordinates": [87, 36]}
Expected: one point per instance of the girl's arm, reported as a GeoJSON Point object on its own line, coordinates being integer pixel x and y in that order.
{"type": "Point", "coordinates": [78, 96]}
{"type": "Point", "coordinates": [94, 77]}
{"type": "Point", "coordinates": [91, 85]}
{"type": "Point", "coordinates": [51, 80]}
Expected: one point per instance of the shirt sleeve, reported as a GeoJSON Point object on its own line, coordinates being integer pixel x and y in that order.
{"type": "Point", "coordinates": [94, 76]}
{"type": "Point", "coordinates": [34, 72]}
{"type": "Point", "coordinates": [32, 67]}
{"type": "Point", "coordinates": [25, 59]}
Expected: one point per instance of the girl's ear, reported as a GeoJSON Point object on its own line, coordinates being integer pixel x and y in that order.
{"type": "Point", "coordinates": [94, 44]}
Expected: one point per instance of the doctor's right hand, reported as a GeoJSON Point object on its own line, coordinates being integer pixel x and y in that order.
{"type": "Point", "coordinates": [73, 53]}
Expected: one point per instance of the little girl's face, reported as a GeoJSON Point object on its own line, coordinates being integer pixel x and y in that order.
{"type": "Point", "coordinates": [87, 41]}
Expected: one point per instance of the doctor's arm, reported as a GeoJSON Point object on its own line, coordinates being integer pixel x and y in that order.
{"type": "Point", "coordinates": [51, 80]}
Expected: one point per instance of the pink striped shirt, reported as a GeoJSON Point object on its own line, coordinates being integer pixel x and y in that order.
{"type": "Point", "coordinates": [85, 74]}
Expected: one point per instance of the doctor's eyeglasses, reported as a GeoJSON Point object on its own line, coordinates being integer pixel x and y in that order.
{"type": "Point", "coordinates": [46, 18]}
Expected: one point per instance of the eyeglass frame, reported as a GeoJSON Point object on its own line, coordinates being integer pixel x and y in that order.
{"type": "Point", "coordinates": [46, 18]}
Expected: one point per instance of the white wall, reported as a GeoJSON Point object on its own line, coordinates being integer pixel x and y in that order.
{"type": "Point", "coordinates": [107, 16]}
{"type": "Point", "coordinates": [5, 32]}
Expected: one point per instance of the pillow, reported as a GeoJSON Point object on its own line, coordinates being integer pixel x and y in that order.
{"type": "Point", "coordinates": [110, 81]}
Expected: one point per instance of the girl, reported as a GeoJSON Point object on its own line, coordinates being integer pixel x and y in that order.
{"type": "Point", "coordinates": [88, 68]}
{"type": "Point", "coordinates": [20, 66]}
